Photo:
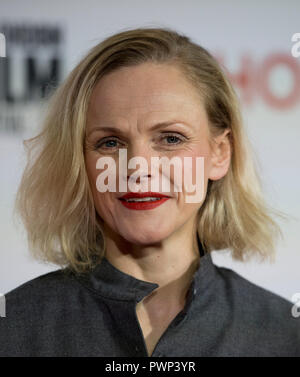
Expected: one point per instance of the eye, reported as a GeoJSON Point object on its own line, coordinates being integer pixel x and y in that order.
{"type": "Point", "coordinates": [174, 139]}
{"type": "Point", "coordinates": [107, 143]}
{"type": "Point", "coordinates": [110, 143]}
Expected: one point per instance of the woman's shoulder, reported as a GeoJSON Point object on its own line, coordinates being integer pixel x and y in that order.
{"type": "Point", "coordinates": [41, 282]}
{"type": "Point", "coordinates": [248, 291]}
{"type": "Point", "coordinates": [39, 312]}
{"type": "Point", "coordinates": [47, 288]}
{"type": "Point", "coordinates": [259, 304]}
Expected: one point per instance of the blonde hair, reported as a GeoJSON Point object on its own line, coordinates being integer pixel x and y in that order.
{"type": "Point", "coordinates": [54, 198]}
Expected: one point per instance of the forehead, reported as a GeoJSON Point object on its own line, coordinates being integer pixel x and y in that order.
{"type": "Point", "coordinates": [144, 90]}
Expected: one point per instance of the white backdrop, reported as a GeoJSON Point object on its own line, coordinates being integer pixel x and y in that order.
{"type": "Point", "coordinates": [253, 40]}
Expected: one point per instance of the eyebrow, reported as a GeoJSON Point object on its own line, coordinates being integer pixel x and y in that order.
{"type": "Point", "coordinates": [153, 128]}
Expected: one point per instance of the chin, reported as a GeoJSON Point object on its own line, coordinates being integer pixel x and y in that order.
{"type": "Point", "coordinates": [139, 237]}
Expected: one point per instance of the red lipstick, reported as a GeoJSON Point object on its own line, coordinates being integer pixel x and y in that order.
{"type": "Point", "coordinates": [140, 204]}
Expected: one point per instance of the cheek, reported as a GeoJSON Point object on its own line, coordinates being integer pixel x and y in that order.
{"type": "Point", "coordinates": [195, 163]}
{"type": "Point", "coordinates": [92, 172]}
{"type": "Point", "coordinates": [194, 175]}
{"type": "Point", "coordinates": [100, 198]}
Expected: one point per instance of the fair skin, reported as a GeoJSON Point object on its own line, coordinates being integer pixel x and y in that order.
{"type": "Point", "coordinates": [157, 245]}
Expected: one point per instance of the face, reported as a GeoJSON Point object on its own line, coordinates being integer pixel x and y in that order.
{"type": "Point", "coordinates": [150, 111]}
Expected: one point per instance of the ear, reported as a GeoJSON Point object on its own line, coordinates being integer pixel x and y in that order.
{"type": "Point", "coordinates": [220, 156]}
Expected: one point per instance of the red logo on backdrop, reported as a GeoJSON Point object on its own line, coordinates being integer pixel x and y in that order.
{"type": "Point", "coordinates": [254, 79]}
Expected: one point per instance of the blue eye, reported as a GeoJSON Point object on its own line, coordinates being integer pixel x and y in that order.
{"type": "Point", "coordinates": [112, 143]}
{"type": "Point", "coordinates": [109, 143]}
{"type": "Point", "coordinates": [172, 139]}
{"type": "Point", "coordinates": [106, 143]}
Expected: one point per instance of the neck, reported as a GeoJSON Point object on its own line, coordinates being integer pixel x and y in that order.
{"type": "Point", "coordinates": [170, 263]}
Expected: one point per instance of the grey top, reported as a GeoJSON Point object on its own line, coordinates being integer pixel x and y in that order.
{"type": "Point", "coordinates": [63, 314]}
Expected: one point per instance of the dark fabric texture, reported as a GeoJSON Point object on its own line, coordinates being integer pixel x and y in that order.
{"type": "Point", "coordinates": [63, 314]}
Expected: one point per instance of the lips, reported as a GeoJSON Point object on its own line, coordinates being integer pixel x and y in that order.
{"type": "Point", "coordinates": [143, 205]}
{"type": "Point", "coordinates": [139, 195]}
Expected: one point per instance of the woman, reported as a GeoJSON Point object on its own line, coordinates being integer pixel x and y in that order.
{"type": "Point", "coordinates": [137, 278]}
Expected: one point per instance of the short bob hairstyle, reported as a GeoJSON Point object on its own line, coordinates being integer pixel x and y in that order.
{"type": "Point", "coordinates": [54, 198]}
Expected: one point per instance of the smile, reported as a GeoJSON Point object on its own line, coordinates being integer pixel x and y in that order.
{"type": "Point", "coordinates": [143, 203]}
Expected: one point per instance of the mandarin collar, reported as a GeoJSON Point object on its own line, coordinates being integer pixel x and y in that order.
{"type": "Point", "coordinates": [110, 282]}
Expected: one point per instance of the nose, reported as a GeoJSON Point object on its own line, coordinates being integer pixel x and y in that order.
{"type": "Point", "coordinates": [140, 177]}
{"type": "Point", "coordinates": [139, 154]}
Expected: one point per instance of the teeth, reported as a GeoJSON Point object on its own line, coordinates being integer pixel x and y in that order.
{"type": "Point", "coordinates": [148, 199]}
